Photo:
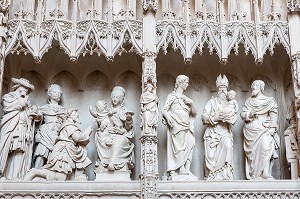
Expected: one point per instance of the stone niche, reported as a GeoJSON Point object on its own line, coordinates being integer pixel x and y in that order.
{"type": "Point", "coordinates": [91, 78]}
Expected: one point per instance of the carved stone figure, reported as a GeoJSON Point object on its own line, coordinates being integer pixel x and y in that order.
{"type": "Point", "coordinates": [69, 155]}
{"type": "Point", "coordinates": [3, 18]}
{"type": "Point", "coordinates": [16, 131]}
{"type": "Point", "coordinates": [219, 115]}
{"type": "Point", "coordinates": [291, 145]}
{"type": "Point", "coordinates": [261, 140]}
{"type": "Point", "coordinates": [51, 122]}
{"type": "Point", "coordinates": [178, 116]}
{"type": "Point", "coordinates": [149, 109]}
{"type": "Point", "coordinates": [113, 137]}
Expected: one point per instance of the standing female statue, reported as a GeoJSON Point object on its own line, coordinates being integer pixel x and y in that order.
{"type": "Point", "coordinates": [179, 113]}
{"type": "Point", "coordinates": [149, 109]}
{"type": "Point", "coordinates": [113, 140]}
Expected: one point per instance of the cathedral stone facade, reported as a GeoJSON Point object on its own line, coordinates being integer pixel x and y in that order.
{"type": "Point", "coordinates": [150, 99]}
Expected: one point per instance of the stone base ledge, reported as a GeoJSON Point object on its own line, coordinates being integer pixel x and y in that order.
{"type": "Point", "coordinates": [166, 190]}
{"type": "Point", "coordinates": [231, 186]}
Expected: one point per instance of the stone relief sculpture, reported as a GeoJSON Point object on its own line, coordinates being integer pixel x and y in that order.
{"type": "Point", "coordinates": [149, 110]}
{"type": "Point", "coordinates": [3, 19]}
{"type": "Point", "coordinates": [291, 145]}
{"type": "Point", "coordinates": [17, 131]}
{"type": "Point", "coordinates": [261, 140]}
{"type": "Point", "coordinates": [69, 155]}
{"type": "Point", "coordinates": [178, 116]}
{"type": "Point", "coordinates": [219, 115]}
{"type": "Point", "coordinates": [114, 134]}
{"type": "Point", "coordinates": [50, 124]}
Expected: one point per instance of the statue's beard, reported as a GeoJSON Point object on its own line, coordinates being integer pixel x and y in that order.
{"type": "Point", "coordinates": [254, 92]}
{"type": "Point", "coordinates": [222, 95]}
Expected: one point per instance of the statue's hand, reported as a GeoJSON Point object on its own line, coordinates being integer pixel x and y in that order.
{"type": "Point", "coordinates": [217, 118]}
{"type": "Point", "coordinates": [252, 114]}
{"type": "Point", "coordinates": [88, 131]}
{"type": "Point", "coordinates": [118, 130]}
{"type": "Point", "coordinates": [187, 101]}
{"type": "Point", "coordinates": [272, 131]}
{"type": "Point", "coordinates": [171, 122]}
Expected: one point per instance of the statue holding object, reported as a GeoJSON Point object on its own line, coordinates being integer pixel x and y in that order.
{"type": "Point", "coordinates": [69, 155]}
{"type": "Point", "coordinates": [17, 131]}
{"type": "Point", "coordinates": [219, 114]}
{"type": "Point", "coordinates": [114, 134]}
{"type": "Point", "coordinates": [50, 124]}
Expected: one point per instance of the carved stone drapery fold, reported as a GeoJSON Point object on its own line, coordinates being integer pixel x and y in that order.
{"type": "Point", "coordinates": [150, 5]}
{"type": "Point", "coordinates": [293, 6]}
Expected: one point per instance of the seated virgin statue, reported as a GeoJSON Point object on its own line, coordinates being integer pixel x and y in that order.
{"type": "Point", "coordinates": [114, 134]}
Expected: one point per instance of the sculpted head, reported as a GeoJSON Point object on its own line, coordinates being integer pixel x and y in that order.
{"type": "Point", "coordinates": [231, 95]}
{"type": "Point", "coordinates": [182, 81]}
{"type": "Point", "coordinates": [117, 95]}
{"type": "Point", "coordinates": [22, 86]}
{"type": "Point", "coordinates": [222, 85]}
{"type": "Point", "coordinates": [101, 106]}
{"type": "Point", "coordinates": [54, 92]}
{"type": "Point", "coordinates": [257, 86]}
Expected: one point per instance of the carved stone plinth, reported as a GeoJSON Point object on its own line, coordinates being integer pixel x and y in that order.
{"type": "Point", "coordinates": [114, 176]}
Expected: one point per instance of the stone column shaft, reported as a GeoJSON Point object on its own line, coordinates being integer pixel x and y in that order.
{"type": "Point", "coordinates": [4, 5]}
{"type": "Point", "coordinates": [149, 139]}
{"type": "Point", "coordinates": [294, 32]}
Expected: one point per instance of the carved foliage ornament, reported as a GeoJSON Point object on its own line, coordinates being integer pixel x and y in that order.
{"type": "Point", "coordinates": [149, 69]}
{"type": "Point", "coordinates": [295, 67]}
{"type": "Point", "coordinates": [150, 5]}
{"type": "Point", "coordinates": [293, 6]}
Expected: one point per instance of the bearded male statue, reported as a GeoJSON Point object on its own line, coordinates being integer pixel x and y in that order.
{"type": "Point", "coordinates": [261, 140]}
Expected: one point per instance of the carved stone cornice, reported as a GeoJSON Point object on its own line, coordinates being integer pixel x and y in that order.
{"type": "Point", "coordinates": [150, 5]}
{"type": "Point", "coordinates": [293, 6]}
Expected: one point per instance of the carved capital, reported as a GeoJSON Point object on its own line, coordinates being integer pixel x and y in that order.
{"type": "Point", "coordinates": [149, 138]}
{"type": "Point", "coordinates": [293, 6]}
{"type": "Point", "coordinates": [150, 5]}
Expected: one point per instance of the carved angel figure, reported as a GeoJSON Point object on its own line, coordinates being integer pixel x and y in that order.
{"type": "Point", "coordinates": [261, 140]}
